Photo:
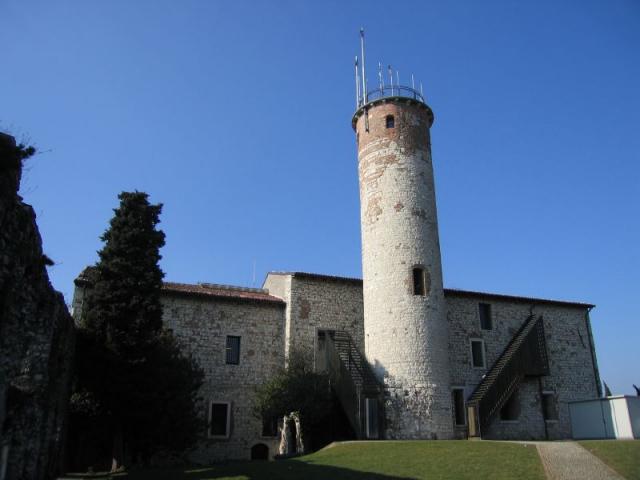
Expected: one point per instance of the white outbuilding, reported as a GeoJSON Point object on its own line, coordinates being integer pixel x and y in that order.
{"type": "Point", "coordinates": [616, 417]}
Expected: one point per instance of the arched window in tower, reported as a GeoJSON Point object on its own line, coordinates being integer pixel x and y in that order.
{"type": "Point", "coordinates": [390, 121]}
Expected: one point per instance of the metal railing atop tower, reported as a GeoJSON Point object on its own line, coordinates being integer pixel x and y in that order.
{"type": "Point", "coordinates": [389, 91]}
{"type": "Point", "coordinates": [364, 96]}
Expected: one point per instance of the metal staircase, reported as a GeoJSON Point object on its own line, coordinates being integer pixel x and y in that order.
{"type": "Point", "coordinates": [526, 355]}
{"type": "Point", "coordinates": [355, 385]}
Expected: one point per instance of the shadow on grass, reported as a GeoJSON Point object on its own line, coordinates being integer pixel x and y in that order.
{"type": "Point", "coordinates": [279, 470]}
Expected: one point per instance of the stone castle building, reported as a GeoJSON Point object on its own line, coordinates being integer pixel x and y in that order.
{"type": "Point", "coordinates": [409, 359]}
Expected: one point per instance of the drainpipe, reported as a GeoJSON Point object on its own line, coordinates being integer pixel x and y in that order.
{"type": "Point", "coordinates": [544, 420]}
{"type": "Point", "coordinates": [594, 361]}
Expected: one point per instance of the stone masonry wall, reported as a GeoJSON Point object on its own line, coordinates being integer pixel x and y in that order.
{"type": "Point", "coordinates": [571, 359]}
{"type": "Point", "coordinates": [406, 334]}
{"type": "Point", "coordinates": [280, 286]}
{"type": "Point", "coordinates": [317, 302]}
{"type": "Point", "coordinates": [202, 325]}
{"type": "Point", "coordinates": [312, 302]}
{"type": "Point", "coordinates": [36, 339]}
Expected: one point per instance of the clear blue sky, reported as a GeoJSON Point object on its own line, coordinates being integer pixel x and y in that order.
{"type": "Point", "coordinates": [236, 116]}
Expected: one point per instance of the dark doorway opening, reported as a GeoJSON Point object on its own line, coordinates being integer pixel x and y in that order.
{"type": "Point", "coordinates": [511, 410]}
{"type": "Point", "coordinates": [334, 428]}
{"type": "Point", "coordinates": [259, 452]}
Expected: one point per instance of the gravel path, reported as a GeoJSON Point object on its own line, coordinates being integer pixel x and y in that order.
{"type": "Point", "coordinates": [569, 461]}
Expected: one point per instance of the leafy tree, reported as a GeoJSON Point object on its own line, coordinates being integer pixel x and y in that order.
{"type": "Point", "coordinates": [132, 375]}
{"type": "Point", "coordinates": [297, 388]}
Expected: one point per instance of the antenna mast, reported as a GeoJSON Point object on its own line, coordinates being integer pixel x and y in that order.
{"type": "Point", "coordinates": [253, 280]}
{"type": "Point", "coordinates": [364, 80]}
{"type": "Point", "coordinates": [357, 86]}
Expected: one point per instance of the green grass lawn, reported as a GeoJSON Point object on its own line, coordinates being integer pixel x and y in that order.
{"type": "Point", "coordinates": [621, 455]}
{"type": "Point", "coordinates": [396, 460]}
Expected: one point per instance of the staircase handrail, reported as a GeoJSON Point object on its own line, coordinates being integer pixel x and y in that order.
{"type": "Point", "coordinates": [360, 365]}
{"type": "Point", "coordinates": [344, 387]}
{"type": "Point", "coordinates": [525, 355]}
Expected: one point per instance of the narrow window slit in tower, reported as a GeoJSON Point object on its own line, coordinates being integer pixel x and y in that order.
{"type": "Point", "coordinates": [390, 121]}
{"type": "Point", "coordinates": [418, 281]}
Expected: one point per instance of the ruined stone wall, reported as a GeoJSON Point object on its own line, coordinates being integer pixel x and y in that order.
{"type": "Point", "coordinates": [406, 334]}
{"type": "Point", "coordinates": [202, 325]}
{"type": "Point", "coordinates": [573, 374]}
{"type": "Point", "coordinates": [36, 339]}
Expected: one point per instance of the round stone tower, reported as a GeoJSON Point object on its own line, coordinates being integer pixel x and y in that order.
{"type": "Point", "coordinates": [405, 320]}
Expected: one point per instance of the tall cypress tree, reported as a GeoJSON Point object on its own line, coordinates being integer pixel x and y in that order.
{"type": "Point", "coordinates": [131, 372]}
{"type": "Point", "coordinates": [123, 306]}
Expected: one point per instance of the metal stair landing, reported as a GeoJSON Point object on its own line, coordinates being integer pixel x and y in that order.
{"type": "Point", "coordinates": [526, 355]}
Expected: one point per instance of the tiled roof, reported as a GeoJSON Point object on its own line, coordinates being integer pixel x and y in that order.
{"type": "Point", "coordinates": [261, 295]}
{"type": "Point", "coordinates": [319, 276]}
{"type": "Point", "coordinates": [447, 291]}
{"type": "Point", "coordinates": [202, 289]}
{"type": "Point", "coordinates": [513, 298]}
{"type": "Point", "coordinates": [221, 291]}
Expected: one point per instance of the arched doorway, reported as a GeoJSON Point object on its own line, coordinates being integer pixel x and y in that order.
{"type": "Point", "coordinates": [259, 452]}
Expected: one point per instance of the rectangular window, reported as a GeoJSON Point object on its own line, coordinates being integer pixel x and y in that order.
{"type": "Point", "coordinates": [458, 405]}
{"type": "Point", "coordinates": [270, 426]}
{"type": "Point", "coordinates": [418, 281]}
{"type": "Point", "coordinates": [485, 316]}
{"type": "Point", "coordinates": [233, 350]}
{"type": "Point", "coordinates": [371, 407]}
{"type": "Point", "coordinates": [323, 354]}
{"type": "Point", "coordinates": [390, 121]}
{"type": "Point", "coordinates": [477, 353]}
{"type": "Point", "coordinates": [219, 419]}
{"type": "Point", "coordinates": [549, 406]}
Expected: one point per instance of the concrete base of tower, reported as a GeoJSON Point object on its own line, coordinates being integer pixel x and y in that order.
{"type": "Point", "coordinates": [418, 413]}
